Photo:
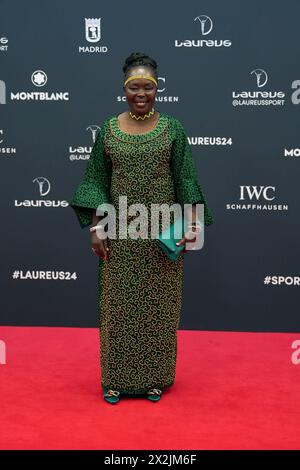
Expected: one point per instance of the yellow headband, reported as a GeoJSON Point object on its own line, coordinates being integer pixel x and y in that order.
{"type": "Point", "coordinates": [140, 76]}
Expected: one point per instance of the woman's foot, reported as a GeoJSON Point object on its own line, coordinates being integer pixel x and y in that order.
{"type": "Point", "coordinates": [111, 396]}
{"type": "Point", "coordinates": [154, 394]}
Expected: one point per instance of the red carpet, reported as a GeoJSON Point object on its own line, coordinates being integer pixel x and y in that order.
{"type": "Point", "coordinates": [232, 391]}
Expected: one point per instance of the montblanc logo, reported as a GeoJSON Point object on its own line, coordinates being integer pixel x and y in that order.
{"type": "Point", "coordinates": [205, 27]}
{"type": "Point", "coordinates": [259, 198]}
{"type": "Point", "coordinates": [160, 97]}
{"type": "Point", "coordinates": [43, 187]}
{"type": "Point", "coordinates": [92, 35]}
{"type": "Point", "coordinates": [3, 44]}
{"type": "Point", "coordinates": [4, 150]}
{"type": "Point", "coordinates": [83, 153]}
{"type": "Point", "coordinates": [259, 97]}
{"type": "Point", "coordinates": [39, 79]}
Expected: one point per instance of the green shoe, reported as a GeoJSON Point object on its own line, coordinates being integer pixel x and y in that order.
{"type": "Point", "coordinates": [154, 394]}
{"type": "Point", "coordinates": [111, 396]}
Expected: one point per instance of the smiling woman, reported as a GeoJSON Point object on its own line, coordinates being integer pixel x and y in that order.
{"type": "Point", "coordinates": [144, 155]}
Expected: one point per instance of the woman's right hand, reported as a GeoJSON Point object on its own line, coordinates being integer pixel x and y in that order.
{"type": "Point", "coordinates": [100, 247]}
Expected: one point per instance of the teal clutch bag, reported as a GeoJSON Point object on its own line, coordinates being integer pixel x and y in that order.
{"type": "Point", "coordinates": [167, 242]}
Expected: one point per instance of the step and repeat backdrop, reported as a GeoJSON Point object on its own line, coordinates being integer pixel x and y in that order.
{"type": "Point", "coordinates": [229, 71]}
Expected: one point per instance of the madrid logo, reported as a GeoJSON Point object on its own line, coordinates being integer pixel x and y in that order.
{"type": "Point", "coordinates": [93, 35]}
{"type": "Point", "coordinates": [92, 29]}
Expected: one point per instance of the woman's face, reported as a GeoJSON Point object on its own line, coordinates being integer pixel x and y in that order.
{"type": "Point", "coordinates": [140, 92]}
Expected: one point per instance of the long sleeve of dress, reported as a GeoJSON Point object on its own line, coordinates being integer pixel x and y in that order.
{"type": "Point", "coordinates": [187, 187]}
{"type": "Point", "coordinates": [94, 189]}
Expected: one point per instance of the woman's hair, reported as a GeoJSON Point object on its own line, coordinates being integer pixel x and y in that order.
{"type": "Point", "coordinates": [138, 58]}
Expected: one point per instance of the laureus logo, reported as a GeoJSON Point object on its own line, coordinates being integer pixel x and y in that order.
{"type": "Point", "coordinates": [84, 152]}
{"type": "Point", "coordinates": [43, 185]}
{"type": "Point", "coordinates": [205, 27]}
{"type": "Point", "coordinates": [258, 97]}
{"type": "Point", "coordinates": [93, 129]}
{"type": "Point", "coordinates": [206, 24]}
{"type": "Point", "coordinates": [261, 77]}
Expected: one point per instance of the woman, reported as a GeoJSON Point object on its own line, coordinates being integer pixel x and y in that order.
{"type": "Point", "coordinates": [144, 155]}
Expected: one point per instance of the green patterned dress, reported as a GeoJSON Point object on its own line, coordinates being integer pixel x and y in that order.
{"type": "Point", "coordinates": [140, 289]}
